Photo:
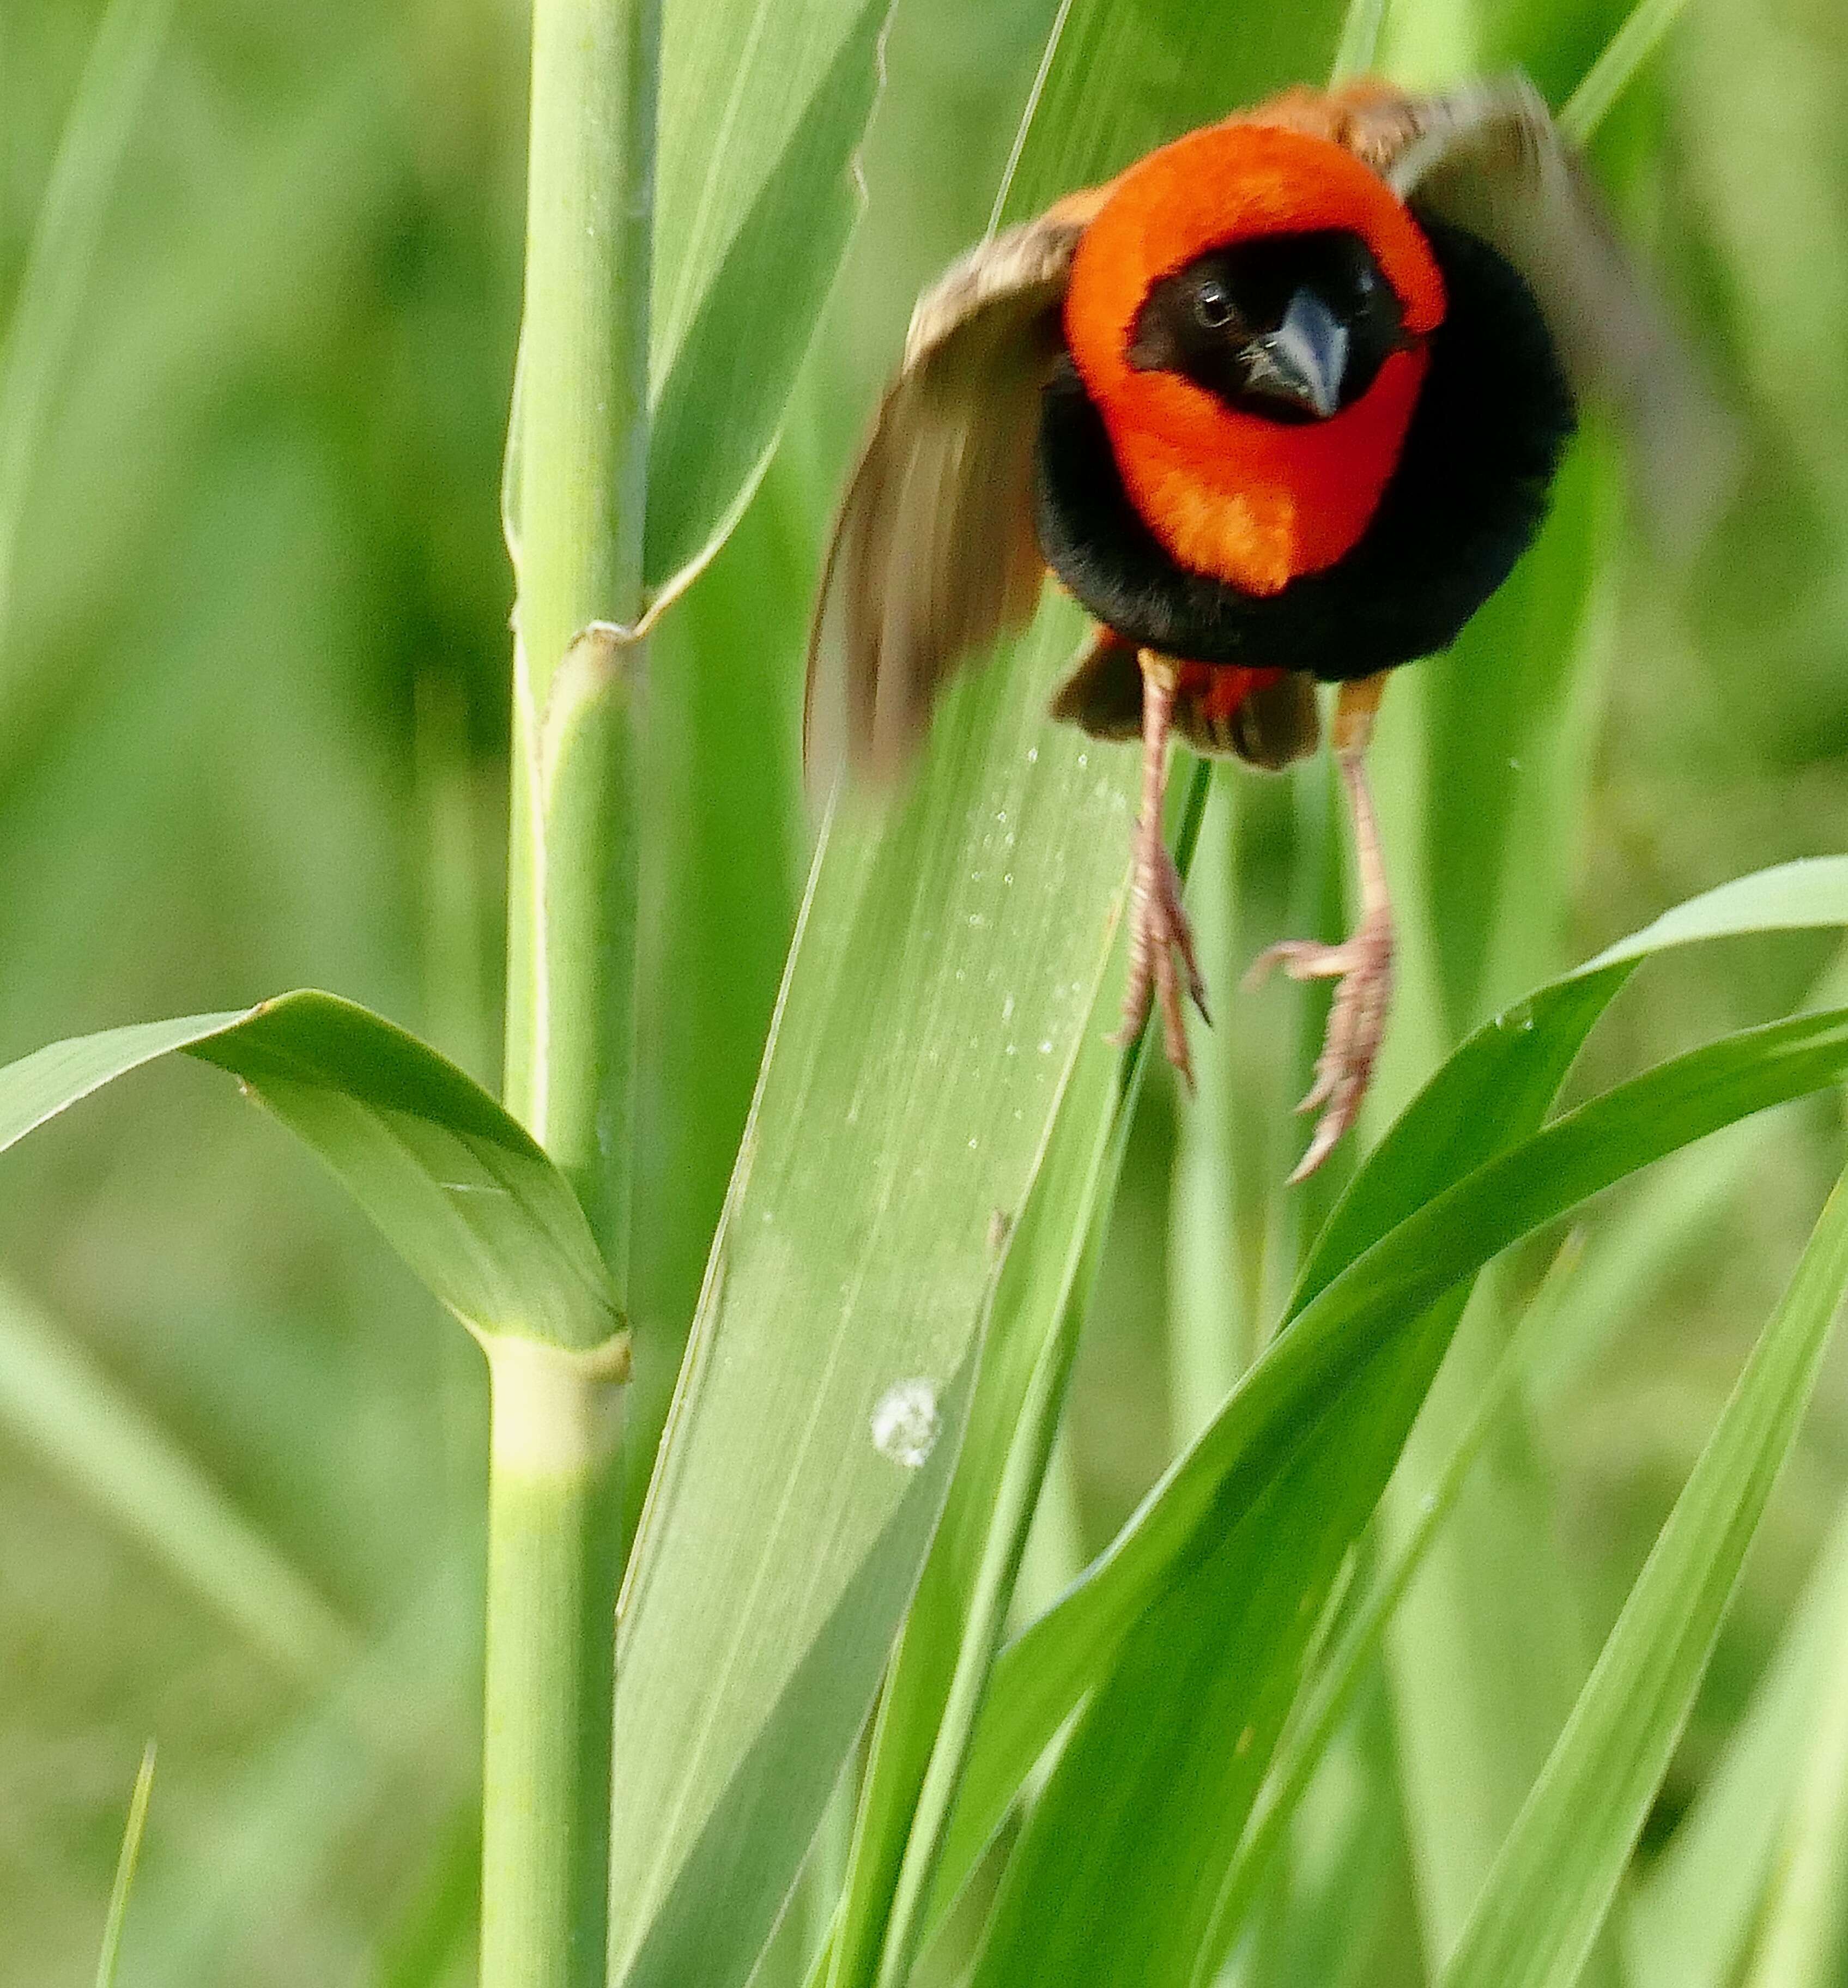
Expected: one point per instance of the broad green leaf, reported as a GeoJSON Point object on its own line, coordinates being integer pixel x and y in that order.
{"type": "Point", "coordinates": [763, 110]}
{"type": "Point", "coordinates": [947, 961]}
{"type": "Point", "coordinates": [927, 1711]}
{"type": "Point", "coordinates": [40, 1086]}
{"type": "Point", "coordinates": [1690, 1919]}
{"type": "Point", "coordinates": [1501, 1080]}
{"type": "Point", "coordinates": [1555, 1878]}
{"type": "Point", "coordinates": [456, 1186]}
{"type": "Point", "coordinates": [928, 1706]}
{"type": "Point", "coordinates": [940, 1667]}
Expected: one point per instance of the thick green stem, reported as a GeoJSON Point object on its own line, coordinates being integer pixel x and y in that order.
{"type": "Point", "coordinates": [554, 1557]}
{"type": "Point", "coordinates": [577, 466]}
{"type": "Point", "coordinates": [576, 487]}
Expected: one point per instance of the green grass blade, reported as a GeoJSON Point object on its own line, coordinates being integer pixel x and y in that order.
{"type": "Point", "coordinates": [1553, 1882]}
{"type": "Point", "coordinates": [49, 308]}
{"type": "Point", "coordinates": [58, 1404]}
{"type": "Point", "coordinates": [1501, 1079]}
{"type": "Point", "coordinates": [1611, 73]}
{"type": "Point", "coordinates": [1799, 1943]}
{"type": "Point", "coordinates": [495, 1232]}
{"type": "Point", "coordinates": [1046, 1672]}
{"type": "Point", "coordinates": [1339, 1682]}
{"type": "Point", "coordinates": [1691, 1919]}
{"type": "Point", "coordinates": [1802, 896]}
{"type": "Point", "coordinates": [1163, 1764]}
{"type": "Point", "coordinates": [125, 1869]}
{"type": "Point", "coordinates": [762, 114]}
{"type": "Point", "coordinates": [1360, 43]}
{"type": "Point", "coordinates": [456, 1185]}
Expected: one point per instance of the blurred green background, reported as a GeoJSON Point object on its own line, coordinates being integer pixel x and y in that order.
{"type": "Point", "coordinates": [253, 658]}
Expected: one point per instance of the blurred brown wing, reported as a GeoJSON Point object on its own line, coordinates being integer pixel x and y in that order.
{"type": "Point", "coordinates": [1489, 158]}
{"type": "Point", "coordinates": [934, 554]}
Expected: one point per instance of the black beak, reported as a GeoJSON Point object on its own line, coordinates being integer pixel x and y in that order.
{"type": "Point", "coordinates": [1301, 363]}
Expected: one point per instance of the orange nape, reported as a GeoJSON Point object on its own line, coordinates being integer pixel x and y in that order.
{"type": "Point", "coordinates": [1254, 502]}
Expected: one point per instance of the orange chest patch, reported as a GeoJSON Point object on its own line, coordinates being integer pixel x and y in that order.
{"type": "Point", "coordinates": [1255, 502]}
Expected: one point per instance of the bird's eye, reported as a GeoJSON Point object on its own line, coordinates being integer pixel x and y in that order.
{"type": "Point", "coordinates": [1213, 304]}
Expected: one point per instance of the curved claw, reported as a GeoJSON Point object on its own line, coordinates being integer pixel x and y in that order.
{"type": "Point", "coordinates": [1356, 1023]}
{"type": "Point", "coordinates": [1164, 965]}
{"type": "Point", "coordinates": [1160, 934]}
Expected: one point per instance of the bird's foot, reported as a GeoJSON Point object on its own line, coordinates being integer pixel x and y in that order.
{"type": "Point", "coordinates": [1161, 940]}
{"type": "Point", "coordinates": [1163, 965]}
{"type": "Point", "coordinates": [1362, 963]}
{"type": "Point", "coordinates": [1161, 960]}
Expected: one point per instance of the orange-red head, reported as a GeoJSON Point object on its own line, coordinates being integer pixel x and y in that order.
{"type": "Point", "coordinates": [1232, 492]}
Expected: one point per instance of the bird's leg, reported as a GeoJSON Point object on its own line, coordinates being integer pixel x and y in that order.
{"type": "Point", "coordinates": [1362, 963]}
{"type": "Point", "coordinates": [1161, 940]}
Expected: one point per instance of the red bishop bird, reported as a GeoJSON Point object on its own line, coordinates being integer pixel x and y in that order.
{"type": "Point", "coordinates": [1279, 406]}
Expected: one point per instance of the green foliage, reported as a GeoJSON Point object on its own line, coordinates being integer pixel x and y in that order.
{"type": "Point", "coordinates": [464, 1195]}
{"type": "Point", "coordinates": [755, 197]}
{"type": "Point", "coordinates": [253, 682]}
{"type": "Point", "coordinates": [1559, 1870]}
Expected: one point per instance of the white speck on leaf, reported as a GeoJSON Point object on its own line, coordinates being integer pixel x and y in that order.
{"type": "Point", "coordinates": [906, 1423]}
